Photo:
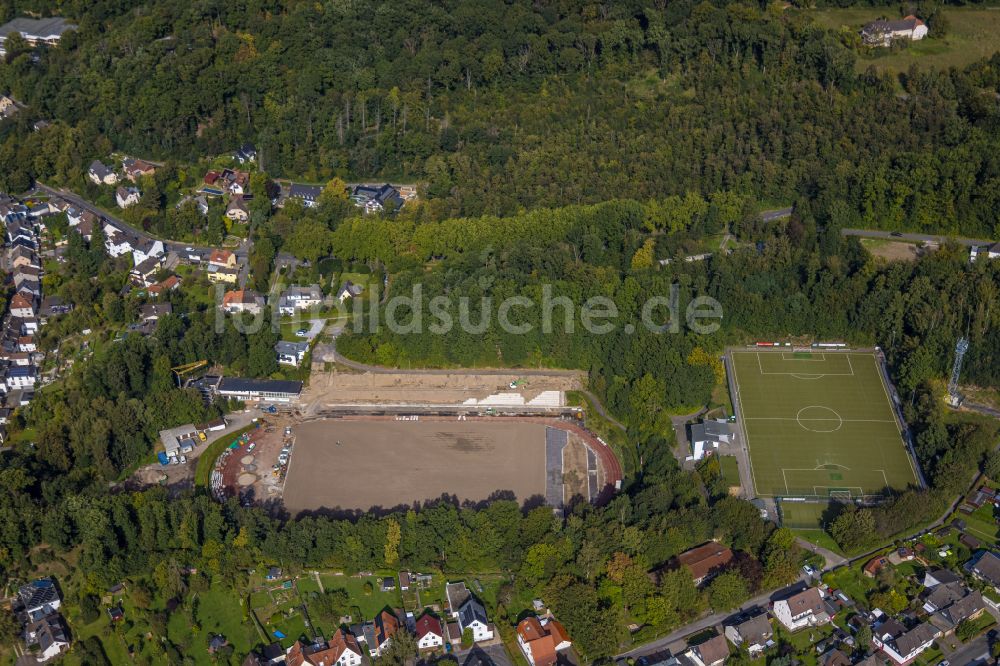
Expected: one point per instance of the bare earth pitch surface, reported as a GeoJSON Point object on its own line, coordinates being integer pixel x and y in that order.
{"type": "Point", "coordinates": [819, 422]}
{"type": "Point", "coordinates": [389, 463]}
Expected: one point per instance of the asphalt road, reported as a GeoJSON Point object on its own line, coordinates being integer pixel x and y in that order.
{"type": "Point", "coordinates": [926, 238]}
{"type": "Point", "coordinates": [976, 652]}
{"type": "Point", "coordinates": [760, 601]}
{"type": "Point", "coordinates": [772, 215]}
{"type": "Point", "coordinates": [242, 252]}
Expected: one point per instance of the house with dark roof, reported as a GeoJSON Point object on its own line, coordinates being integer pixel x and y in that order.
{"type": "Point", "coordinates": [901, 645]}
{"type": "Point", "coordinates": [348, 291]}
{"type": "Point", "coordinates": [49, 634]}
{"type": "Point", "coordinates": [127, 196]}
{"type": "Point", "coordinates": [260, 390]}
{"type": "Point", "coordinates": [935, 577]}
{"type": "Point", "coordinates": [307, 194]}
{"type": "Point", "coordinates": [805, 609]}
{"type": "Point", "coordinates": [39, 598]}
{"type": "Point", "coordinates": [754, 633]}
{"type": "Point", "coordinates": [707, 436]}
{"type": "Point", "coordinates": [472, 615]}
{"type": "Point", "coordinates": [884, 32]}
{"type": "Point", "coordinates": [377, 198]}
{"type": "Point", "coordinates": [246, 153]}
{"type": "Point", "coordinates": [985, 566]}
{"type": "Point", "coordinates": [705, 561]}
{"type": "Point", "coordinates": [101, 174]}
{"type": "Point", "coordinates": [46, 31]}
{"type": "Point", "coordinates": [236, 210]}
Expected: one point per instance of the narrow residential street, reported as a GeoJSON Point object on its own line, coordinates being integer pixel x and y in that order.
{"type": "Point", "coordinates": [762, 600]}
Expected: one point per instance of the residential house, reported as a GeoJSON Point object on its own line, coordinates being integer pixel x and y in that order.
{"type": "Point", "coordinates": [705, 561]}
{"type": "Point", "coordinates": [712, 652]}
{"type": "Point", "coordinates": [222, 267]}
{"type": "Point", "coordinates": [144, 273]}
{"type": "Point", "coordinates": [874, 565]}
{"type": "Point", "coordinates": [135, 169]}
{"type": "Point", "coordinates": [160, 288]}
{"type": "Point", "coordinates": [127, 196]}
{"type": "Point", "coordinates": [153, 311]}
{"type": "Point", "coordinates": [30, 287]}
{"type": "Point", "coordinates": [883, 32]}
{"type": "Point", "coordinates": [805, 609]}
{"type": "Point", "coordinates": [834, 657]}
{"type": "Point", "coordinates": [45, 31]}
{"type": "Point", "coordinates": [19, 377]}
{"type": "Point", "coordinates": [39, 598]}
{"type": "Point", "coordinates": [706, 436]}
{"type": "Point", "coordinates": [429, 632]}
{"type": "Point", "coordinates": [26, 344]}
{"type": "Point", "coordinates": [754, 633]}
{"type": "Point", "coordinates": [472, 615]}
{"type": "Point", "coordinates": [292, 353]}
{"type": "Point", "coordinates": [385, 627]}
{"type": "Point", "coordinates": [22, 305]}
{"type": "Point", "coordinates": [101, 174]}
{"type": "Point", "coordinates": [242, 300]}
{"type": "Point", "coordinates": [307, 194]}
{"type": "Point", "coordinates": [993, 251]}
{"type": "Point", "coordinates": [234, 182]}
{"type": "Point", "coordinates": [85, 225]}
{"type": "Point", "coordinates": [541, 641]}
{"type": "Point", "coordinates": [349, 290]}
{"type": "Point", "coordinates": [144, 249]}
{"type": "Point", "coordinates": [900, 645]}
{"type": "Point", "coordinates": [299, 298]}
{"type": "Point", "coordinates": [117, 241]}
{"type": "Point", "coordinates": [341, 650]}
{"type": "Point", "coordinates": [236, 210]}
{"type": "Point", "coordinates": [246, 153]}
{"type": "Point", "coordinates": [969, 607]}
{"type": "Point", "coordinates": [376, 198]}
{"type": "Point", "coordinates": [985, 566]}
{"type": "Point", "coordinates": [22, 256]}
{"type": "Point", "coordinates": [49, 634]}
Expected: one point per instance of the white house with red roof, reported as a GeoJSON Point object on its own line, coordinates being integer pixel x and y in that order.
{"type": "Point", "coordinates": [429, 632]}
{"type": "Point", "coordinates": [541, 640]}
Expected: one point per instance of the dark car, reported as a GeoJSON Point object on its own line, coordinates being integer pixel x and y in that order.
{"type": "Point", "coordinates": [896, 234]}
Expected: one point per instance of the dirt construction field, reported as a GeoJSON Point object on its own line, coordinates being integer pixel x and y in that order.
{"type": "Point", "coordinates": [391, 463]}
{"type": "Point", "coordinates": [340, 387]}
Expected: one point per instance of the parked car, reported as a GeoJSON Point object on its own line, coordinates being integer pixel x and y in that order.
{"type": "Point", "coordinates": [809, 570]}
{"type": "Point", "coordinates": [288, 430]}
{"type": "Point", "coordinates": [184, 459]}
{"type": "Point", "coordinates": [301, 333]}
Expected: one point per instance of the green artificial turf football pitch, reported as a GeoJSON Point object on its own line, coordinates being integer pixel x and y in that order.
{"type": "Point", "coordinates": [819, 424]}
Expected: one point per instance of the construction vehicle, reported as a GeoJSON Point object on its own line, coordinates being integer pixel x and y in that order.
{"type": "Point", "coordinates": [181, 370]}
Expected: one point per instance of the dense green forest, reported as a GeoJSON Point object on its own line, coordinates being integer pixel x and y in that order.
{"type": "Point", "coordinates": [563, 147]}
{"type": "Point", "coordinates": [515, 105]}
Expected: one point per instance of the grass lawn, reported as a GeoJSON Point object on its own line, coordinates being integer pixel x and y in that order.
{"type": "Point", "coordinates": [370, 604]}
{"type": "Point", "coordinates": [973, 34]}
{"type": "Point", "coordinates": [818, 423]}
{"type": "Point", "coordinates": [207, 459]}
{"type": "Point", "coordinates": [980, 523]}
{"type": "Point", "coordinates": [802, 515]}
{"type": "Point", "coordinates": [818, 538]}
{"type": "Point", "coordinates": [219, 612]}
{"type": "Point", "coordinates": [851, 581]}
{"type": "Point", "coordinates": [730, 470]}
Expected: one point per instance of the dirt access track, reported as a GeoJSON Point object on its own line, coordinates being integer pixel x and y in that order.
{"type": "Point", "coordinates": [351, 383]}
